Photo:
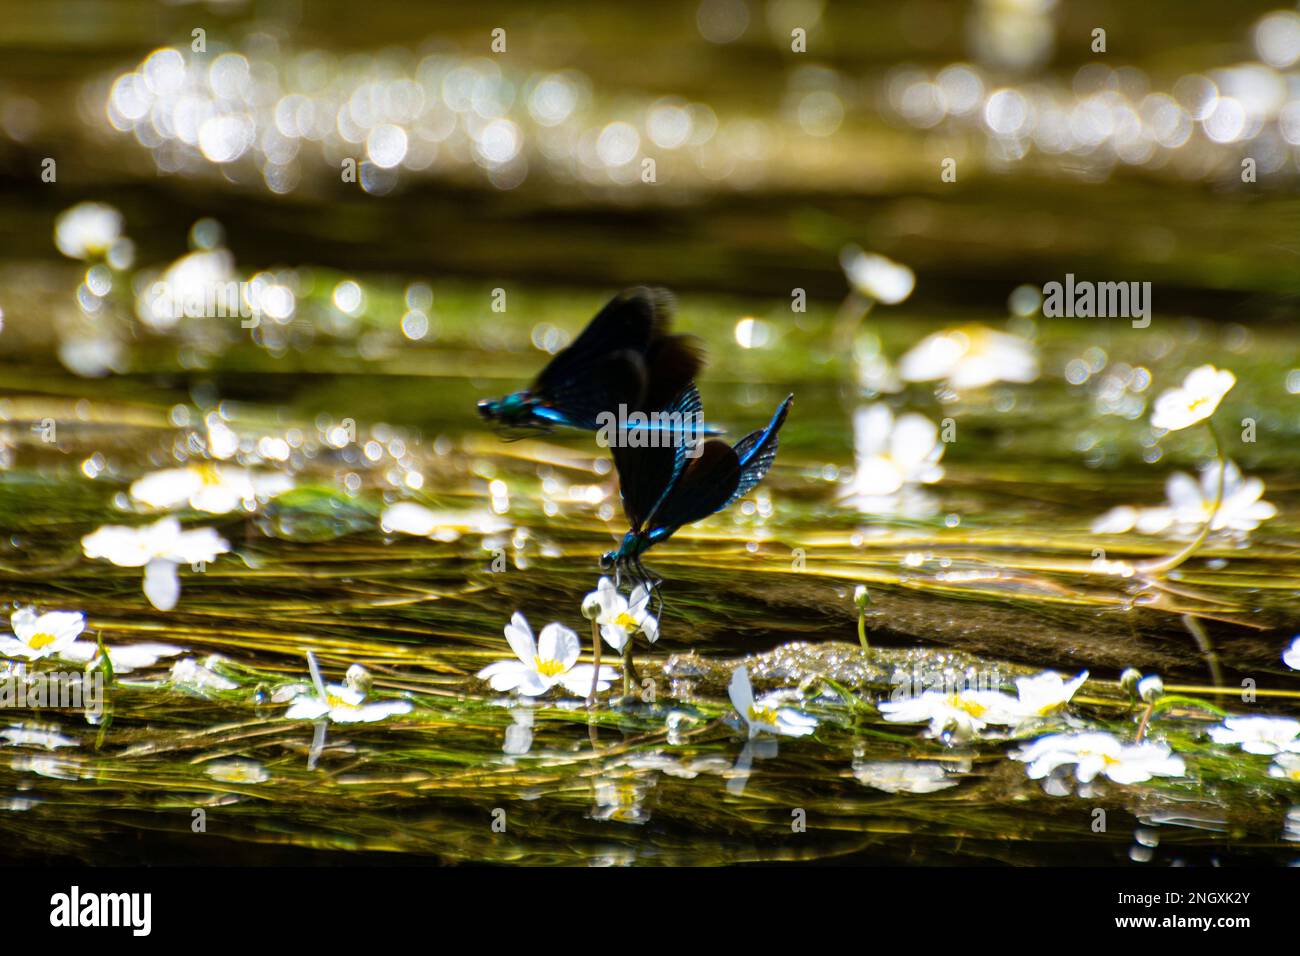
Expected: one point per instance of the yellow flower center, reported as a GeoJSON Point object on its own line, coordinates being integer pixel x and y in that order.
{"type": "Point", "coordinates": [548, 668]}
{"type": "Point", "coordinates": [626, 621]}
{"type": "Point", "coordinates": [209, 474]}
{"type": "Point", "coordinates": [762, 715]}
{"type": "Point", "coordinates": [957, 702]}
{"type": "Point", "coordinates": [42, 639]}
{"type": "Point", "coordinates": [339, 702]}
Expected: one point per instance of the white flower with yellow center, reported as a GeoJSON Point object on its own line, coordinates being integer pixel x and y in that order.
{"type": "Point", "coordinates": [1190, 504]}
{"type": "Point", "coordinates": [544, 663]}
{"type": "Point", "coordinates": [216, 489]}
{"type": "Point", "coordinates": [970, 357]}
{"type": "Point", "coordinates": [1099, 753]}
{"type": "Point", "coordinates": [892, 453]}
{"type": "Point", "coordinates": [1259, 735]}
{"type": "Point", "coordinates": [960, 715]}
{"type": "Point", "coordinates": [1045, 694]}
{"type": "Point", "coordinates": [1195, 400]}
{"type": "Point", "coordinates": [766, 713]}
{"type": "Point", "coordinates": [341, 703]}
{"type": "Point", "coordinates": [158, 548]}
{"type": "Point", "coordinates": [620, 618]}
{"type": "Point", "coordinates": [1286, 766]}
{"type": "Point", "coordinates": [41, 635]}
{"type": "Point", "coordinates": [87, 229]}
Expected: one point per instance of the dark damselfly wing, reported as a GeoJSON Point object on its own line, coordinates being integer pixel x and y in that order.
{"type": "Point", "coordinates": [703, 487]}
{"type": "Point", "coordinates": [757, 450]}
{"type": "Point", "coordinates": [611, 380]}
{"type": "Point", "coordinates": [720, 475]}
{"type": "Point", "coordinates": [672, 363]}
{"type": "Point", "coordinates": [597, 372]}
{"type": "Point", "coordinates": [646, 474]}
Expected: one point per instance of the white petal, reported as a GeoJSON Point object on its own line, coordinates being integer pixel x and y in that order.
{"type": "Point", "coordinates": [505, 675]}
{"type": "Point", "coordinates": [169, 488]}
{"type": "Point", "coordinates": [196, 545]}
{"type": "Point", "coordinates": [1118, 520]}
{"type": "Point", "coordinates": [558, 643]}
{"type": "Point", "coordinates": [370, 712]}
{"type": "Point", "coordinates": [126, 547]}
{"type": "Point", "coordinates": [162, 586]}
{"type": "Point", "coordinates": [520, 636]}
{"type": "Point", "coordinates": [614, 635]}
{"type": "Point", "coordinates": [307, 708]}
{"type": "Point", "coordinates": [914, 439]}
{"type": "Point", "coordinates": [23, 621]}
{"type": "Point", "coordinates": [741, 692]}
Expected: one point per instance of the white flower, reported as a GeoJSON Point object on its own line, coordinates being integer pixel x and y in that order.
{"type": "Point", "coordinates": [41, 635]}
{"type": "Point", "coordinates": [766, 714]}
{"type": "Point", "coordinates": [1259, 735]}
{"type": "Point", "coordinates": [1099, 753]}
{"type": "Point", "coordinates": [1195, 400]}
{"type": "Point", "coordinates": [970, 357]}
{"type": "Point", "coordinates": [876, 277]}
{"type": "Point", "coordinates": [216, 489]}
{"type": "Point", "coordinates": [191, 675]}
{"type": "Point", "coordinates": [1286, 766]}
{"type": "Point", "coordinates": [407, 517]}
{"type": "Point", "coordinates": [1118, 520]}
{"type": "Point", "coordinates": [544, 663]}
{"type": "Point", "coordinates": [1291, 656]}
{"type": "Point", "coordinates": [1240, 510]}
{"type": "Point", "coordinates": [1044, 694]}
{"type": "Point", "coordinates": [621, 618]}
{"type": "Point", "coordinates": [1190, 503]}
{"type": "Point", "coordinates": [893, 452]}
{"type": "Point", "coordinates": [87, 229]}
{"type": "Point", "coordinates": [158, 548]}
{"type": "Point", "coordinates": [124, 658]}
{"type": "Point", "coordinates": [341, 703]}
{"type": "Point", "coordinates": [960, 715]}
{"type": "Point", "coordinates": [902, 776]}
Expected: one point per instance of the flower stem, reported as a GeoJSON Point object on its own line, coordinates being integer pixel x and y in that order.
{"type": "Point", "coordinates": [1146, 720]}
{"type": "Point", "coordinates": [595, 653]}
{"type": "Point", "coordinates": [1207, 649]}
{"type": "Point", "coordinates": [629, 674]}
{"type": "Point", "coordinates": [862, 630]}
{"type": "Point", "coordinates": [1165, 565]}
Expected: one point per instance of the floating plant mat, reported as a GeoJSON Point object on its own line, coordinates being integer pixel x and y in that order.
{"type": "Point", "coordinates": [997, 576]}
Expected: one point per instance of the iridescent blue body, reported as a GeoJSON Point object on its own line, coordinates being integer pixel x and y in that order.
{"type": "Point", "coordinates": [522, 410]}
